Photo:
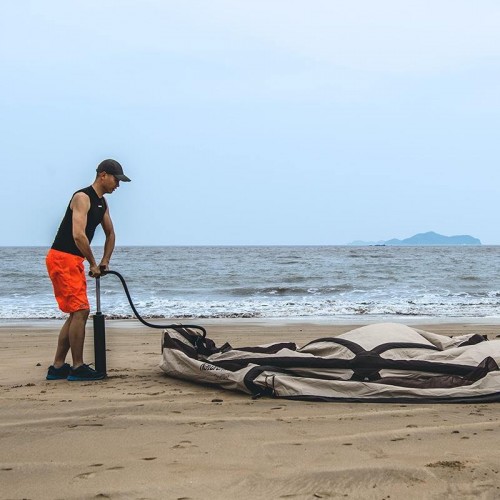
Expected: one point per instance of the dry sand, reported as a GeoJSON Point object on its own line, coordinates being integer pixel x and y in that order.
{"type": "Point", "coordinates": [140, 434]}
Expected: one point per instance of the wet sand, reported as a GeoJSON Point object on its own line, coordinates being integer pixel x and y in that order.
{"type": "Point", "coordinates": [139, 434]}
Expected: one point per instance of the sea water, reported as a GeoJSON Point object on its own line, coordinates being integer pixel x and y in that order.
{"type": "Point", "coordinates": [308, 282]}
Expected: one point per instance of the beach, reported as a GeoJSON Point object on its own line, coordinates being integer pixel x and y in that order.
{"type": "Point", "coordinates": [139, 434]}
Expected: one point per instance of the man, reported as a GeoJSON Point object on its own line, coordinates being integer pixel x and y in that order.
{"type": "Point", "coordinates": [86, 210]}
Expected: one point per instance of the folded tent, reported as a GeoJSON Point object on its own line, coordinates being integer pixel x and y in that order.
{"type": "Point", "coordinates": [384, 362]}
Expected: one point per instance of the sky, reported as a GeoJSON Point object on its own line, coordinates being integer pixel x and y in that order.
{"type": "Point", "coordinates": [253, 122]}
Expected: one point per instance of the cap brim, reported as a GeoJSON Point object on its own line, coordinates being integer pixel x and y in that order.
{"type": "Point", "coordinates": [122, 178]}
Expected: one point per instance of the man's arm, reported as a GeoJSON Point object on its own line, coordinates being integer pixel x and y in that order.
{"type": "Point", "coordinates": [109, 244]}
{"type": "Point", "coordinates": [80, 205]}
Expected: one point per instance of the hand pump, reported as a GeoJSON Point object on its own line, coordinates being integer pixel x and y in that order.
{"type": "Point", "coordinates": [99, 324]}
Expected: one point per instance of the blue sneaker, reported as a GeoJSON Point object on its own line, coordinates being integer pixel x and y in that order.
{"type": "Point", "coordinates": [60, 373]}
{"type": "Point", "coordinates": [83, 373]}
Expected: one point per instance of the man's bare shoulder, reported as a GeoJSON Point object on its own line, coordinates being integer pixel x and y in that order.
{"type": "Point", "coordinates": [80, 201]}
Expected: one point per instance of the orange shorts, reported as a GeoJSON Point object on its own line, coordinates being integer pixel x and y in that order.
{"type": "Point", "coordinates": [67, 274]}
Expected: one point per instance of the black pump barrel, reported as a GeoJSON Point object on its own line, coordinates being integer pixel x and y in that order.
{"type": "Point", "coordinates": [100, 343]}
{"type": "Point", "coordinates": [99, 333]}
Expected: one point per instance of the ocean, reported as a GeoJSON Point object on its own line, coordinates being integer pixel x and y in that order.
{"type": "Point", "coordinates": [294, 282]}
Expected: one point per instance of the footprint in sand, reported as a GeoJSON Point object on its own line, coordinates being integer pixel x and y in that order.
{"type": "Point", "coordinates": [198, 424]}
{"type": "Point", "coordinates": [85, 475]}
{"type": "Point", "coordinates": [450, 464]}
{"type": "Point", "coordinates": [184, 444]}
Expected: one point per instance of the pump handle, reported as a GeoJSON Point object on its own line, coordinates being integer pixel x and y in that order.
{"type": "Point", "coordinates": [103, 271]}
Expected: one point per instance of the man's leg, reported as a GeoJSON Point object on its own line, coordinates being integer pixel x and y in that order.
{"type": "Point", "coordinates": [63, 344]}
{"type": "Point", "coordinates": [76, 335]}
{"type": "Point", "coordinates": [80, 371]}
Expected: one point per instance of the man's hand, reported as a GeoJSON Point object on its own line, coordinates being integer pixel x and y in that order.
{"type": "Point", "coordinates": [95, 271]}
{"type": "Point", "coordinates": [104, 266]}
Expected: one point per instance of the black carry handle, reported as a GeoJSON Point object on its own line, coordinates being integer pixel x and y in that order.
{"type": "Point", "coordinates": [139, 317]}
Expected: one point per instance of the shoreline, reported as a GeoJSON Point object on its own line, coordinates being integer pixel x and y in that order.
{"type": "Point", "coordinates": [278, 321]}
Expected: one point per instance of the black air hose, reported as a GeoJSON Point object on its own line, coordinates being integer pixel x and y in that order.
{"type": "Point", "coordinates": [139, 317]}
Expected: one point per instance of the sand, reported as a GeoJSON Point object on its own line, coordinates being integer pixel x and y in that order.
{"type": "Point", "coordinates": [140, 434]}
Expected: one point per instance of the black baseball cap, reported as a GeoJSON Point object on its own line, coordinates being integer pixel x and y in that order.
{"type": "Point", "coordinates": [114, 168]}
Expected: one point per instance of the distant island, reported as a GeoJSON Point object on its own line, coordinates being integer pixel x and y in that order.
{"type": "Point", "coordinates": [424, 239]}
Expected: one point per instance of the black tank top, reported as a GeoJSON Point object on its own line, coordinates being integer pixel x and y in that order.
{"type": "Point", "coordinates": [64, 241]}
